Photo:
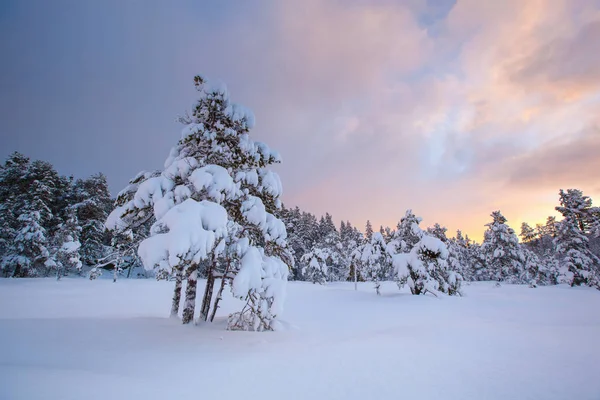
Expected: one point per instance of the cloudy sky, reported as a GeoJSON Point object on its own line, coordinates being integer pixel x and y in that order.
{"type": "Point", "coordinates": [451, 108]}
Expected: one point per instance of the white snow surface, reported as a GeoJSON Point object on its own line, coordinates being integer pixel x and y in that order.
{"type": "Point", "coordinates": [81, 339]}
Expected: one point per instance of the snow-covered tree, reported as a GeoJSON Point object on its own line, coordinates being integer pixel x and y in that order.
{"type": "Point", "coordinates": [501, 252]}
{"type": "Point", "coordinates": [318, 264]}
{"type": "Point", "coordinates": [462, 257]}
{"type": "Point", "coordinates": [65, 252]}
{"type": "Point", "coordinates": [407, 234]}
{"type": "Point", "coordinates": [373, 260]}
{"type": "Point", "coordinates": [528, 234]}
{"type": "Point", "coordinates": [578, 266]}
{"type": "Point", "coordinates": [425, 268]}
{"type": "Point", "coordinates": [92, 203]}
{"type": "Point", "coordinates": [368, 230]}
{"type": "Point", "coordinates": [216, 164]}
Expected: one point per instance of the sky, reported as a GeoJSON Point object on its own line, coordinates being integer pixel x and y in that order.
{"type": "Point", "coordinates": [451, 108]}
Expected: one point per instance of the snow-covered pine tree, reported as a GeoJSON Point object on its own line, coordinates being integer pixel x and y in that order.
{"type": "Point", "coordinates": [66, 245]}
{"type": "Point", "coordinates": [501, 251]}
{"type": "Point", "coordinates": [578, 265]}
{"type": "Point", "coordinates": [373, 260]}
{"type": "Point", "coordinates": [292, 218]}
{"type": "Point", "coordinates": [318, 264]}
{"type": "Point", "coordinates": [326, 227]}
{"type": "Point", "coordinates": [463, 255]}
{"type": "Point", "coordinates": [407, 234]}
{"type": "Point", "coordinates": [29, 255]}
{"type": "Point", "coordinates": [479, 268]}
{"type": "Point", "coordinates": [92, 203]}
{"type": "Point", "coordinates": [350, 238]}
{"type": "Point", "coordinates": [528, 234]}
{"type": "Point", "coordinates": [438, 231]}
{"type": "Point", "coordinates": [368, 230]}
{"type": "Point", "coordinates": [217, 168]}
{"type": "Point", "coordinates": [425, 268]}
{"type": "Point", "coordinates": [13, 186]}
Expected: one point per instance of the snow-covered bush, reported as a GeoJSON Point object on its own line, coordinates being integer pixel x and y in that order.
{"type": "Point", "coordinates": [373, 260]}
{"type": "Point", "coordinates": [425, 268]}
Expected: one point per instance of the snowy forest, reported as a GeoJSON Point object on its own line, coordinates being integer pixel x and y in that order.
{"type": "Point", "coordinates": [55, 225]}
{"type": "Point", "coordinates": [215, 213]}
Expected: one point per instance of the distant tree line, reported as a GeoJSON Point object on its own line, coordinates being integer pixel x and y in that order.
{"type": "Point", "coordinates": [50, 224]}
{"type": "Point", "coordinates": [55, 225]}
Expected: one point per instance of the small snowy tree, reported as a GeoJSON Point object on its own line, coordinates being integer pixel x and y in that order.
{"type": "Point", "coordinates": [425, 268]}
{"type": "Point", "coordinates": [461, 259]}
{"type": "Point", "coordinates": [528, 234]}
{"type": "Point", "coordinates": [407, 234]}
{"type": "Point", "coordinates": [65, 253]}
{"type": "Point", "coordinates": [316, 268]}
{"type": "Point", "coordinates": [373, 260]}
{"type": "Point", "coordinates": [501, 251]}
{"type": "Point", "coordinates": [92, 205]}
{"type": "Point", "coordinates": [579, 266]}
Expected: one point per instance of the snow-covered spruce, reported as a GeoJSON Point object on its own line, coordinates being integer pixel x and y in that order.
{"type": "Point", "coordinates": [425, 268]}
{"type": "Point", "coordinates": [215, 169]}
{"type": "Point", "coordinates": [373, 260]}
{"type": "Point", "coordinates": [501, 252]}
{"type": "Point", "coordinates": [578, 265]}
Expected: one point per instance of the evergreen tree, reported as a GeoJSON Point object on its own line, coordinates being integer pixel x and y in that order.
{"type": "Point", "coordinates": [368, 230]}
{"type": "Point", "coordinates": [217, 170]}
{"type": "Point", "coordinates": [407, 233]}
{"type": "Point", "coordinates": [528, 234]}
{"type": "Point", "coordinates": [439, 232]}
{"type": "Point", "coordinates": [93, 203]}
{"type": "Point", "coordinates": [320, 264]}
{"type": "Point", "coordinates": [425, 268]}
{"type": "Point", "coordinates": [65, 252]}
{"type": "Point", "coordinates": [463, 259]}
{"type": "Point", "coordinates": [578, 266]}
{"type": "Point", "coordinates": [373, 260]}
{"type": "Point", "coordinates": [29, 253]}
{"type": "Point", "coordinates": [501, 251]}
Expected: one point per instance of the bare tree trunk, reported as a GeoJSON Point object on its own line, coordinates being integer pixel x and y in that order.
{"type": "Point", "coordinates": [190, 294]}
{"type": "Point", "coordinates": [115, 272]}
{"type": "Point", "coordinates": [177, 294]}
{"type": "Point", "coordinates": [220, 292]}
{"type": "Point", "coordinates": [208, 292]}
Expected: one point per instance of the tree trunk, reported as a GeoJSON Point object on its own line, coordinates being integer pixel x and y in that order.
{"type": "Point", "coordinates": [220, 292]}
{"type": "Point", "coordinates": [218, 299]}
{"type": "Point", "coordinates": [115, 272]}
{"type": "Point", "coordinates": [177, 294]}
{"type": "Point", "coordinates": [17, 271]}
{"type": "Point", "coordinates": [208, 292]}
{"type": "Point", "coordinates": [190, 294]}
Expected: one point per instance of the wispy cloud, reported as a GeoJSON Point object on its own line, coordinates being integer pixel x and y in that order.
{"type": "Point", "coordinates": [451, 108]}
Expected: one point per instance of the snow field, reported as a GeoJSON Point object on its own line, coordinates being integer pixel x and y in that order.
{"type": "Point", "coordinates": [81, 339]}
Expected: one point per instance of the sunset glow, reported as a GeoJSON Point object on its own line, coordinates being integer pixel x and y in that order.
{"type": "Point", "coordinates": [453, 109]}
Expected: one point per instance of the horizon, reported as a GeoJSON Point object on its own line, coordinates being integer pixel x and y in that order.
{"type": "Point", "coordinates": [451, 109]}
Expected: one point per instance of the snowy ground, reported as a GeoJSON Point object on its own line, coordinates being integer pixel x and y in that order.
{"type": "Point", "coordinates": [77, 339]}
